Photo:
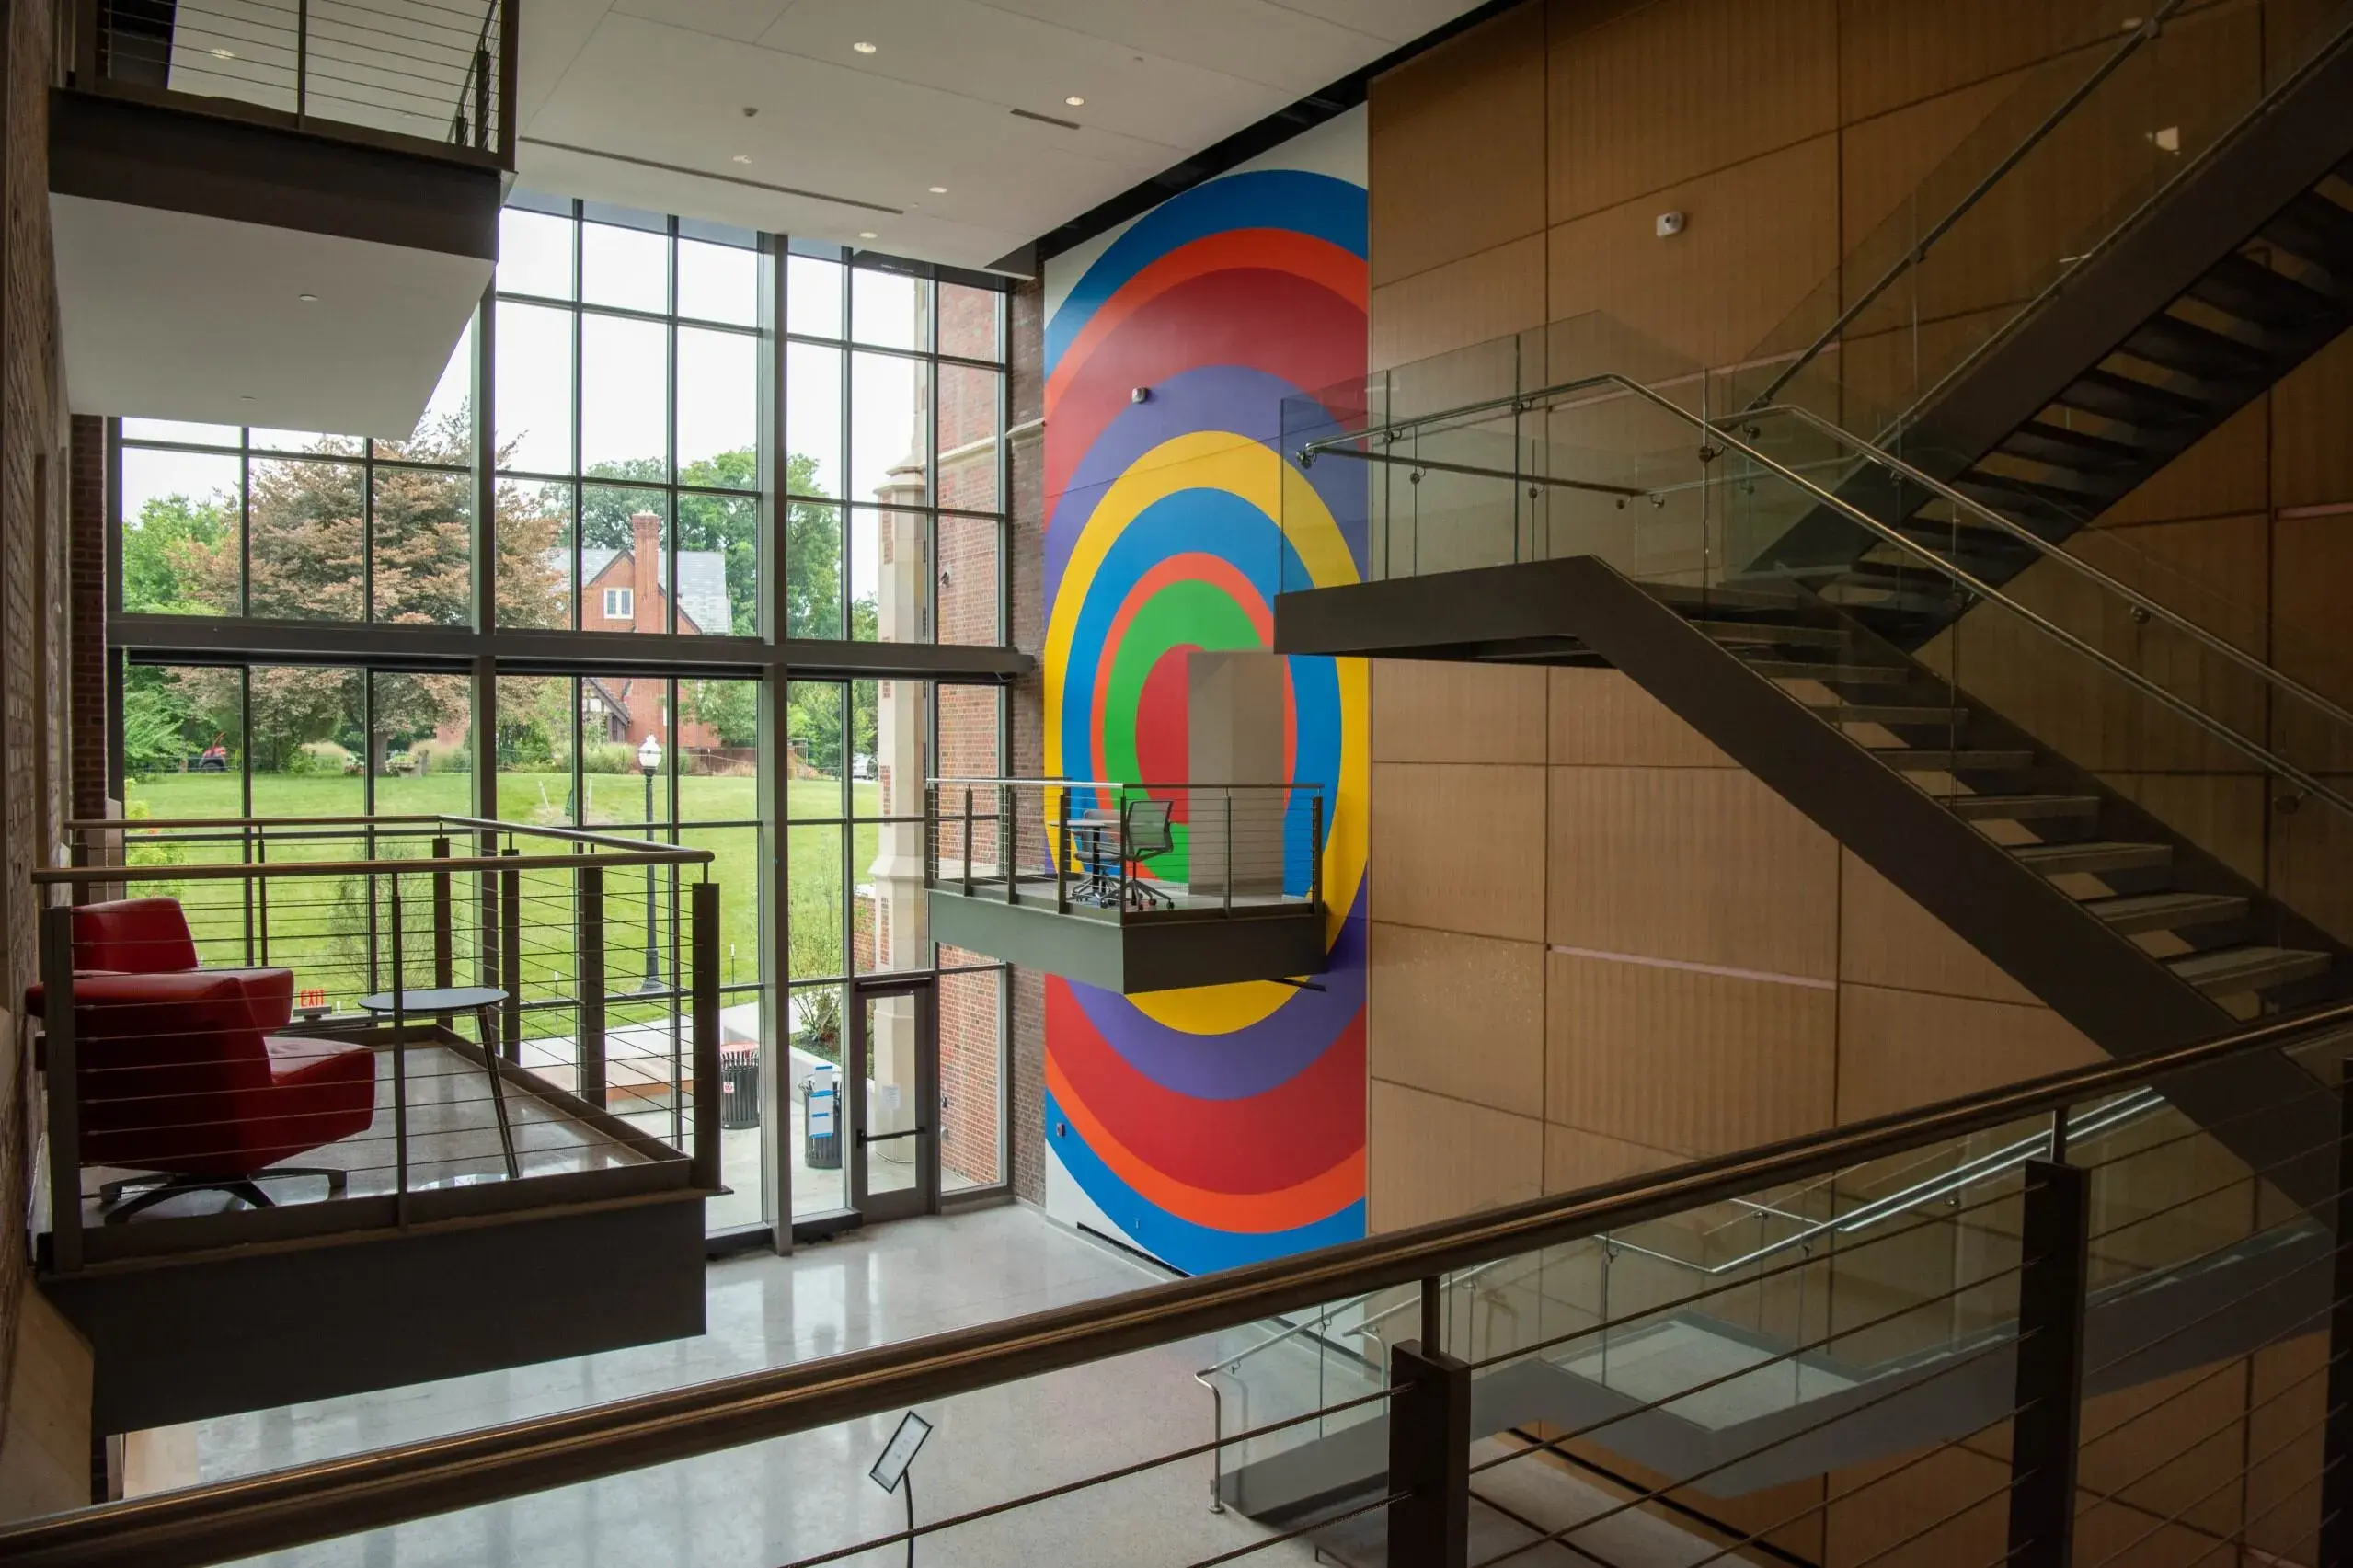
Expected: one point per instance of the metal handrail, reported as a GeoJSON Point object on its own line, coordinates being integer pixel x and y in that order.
{"type": "Point", "coordinates": [2073, 562]}
{"type": "Point", "coordinates": [259, 1514]}
{"type": "Point", "coordinates": [1115, 784]}
{"type": "Point", "coordinates": [1340, 446]}
{"type": "Point", "coordinates": [1918, 252]}
{"type": "Point", "coordinates": [2119, 1113]}
{"type": "Point", "coordinates": [620, 850]}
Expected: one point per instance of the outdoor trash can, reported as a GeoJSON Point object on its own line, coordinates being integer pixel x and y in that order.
{"type": "Point", "coordinates": [820, 1121]}
{"type": "Point", "coordinates": [740, 1086]}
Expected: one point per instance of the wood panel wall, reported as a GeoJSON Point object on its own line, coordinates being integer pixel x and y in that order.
{"type": "Point", "coordinates": [1597, 947]}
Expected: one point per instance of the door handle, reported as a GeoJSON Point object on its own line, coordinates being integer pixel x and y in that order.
{"type": "Point", "coordinates": [864, 1139]}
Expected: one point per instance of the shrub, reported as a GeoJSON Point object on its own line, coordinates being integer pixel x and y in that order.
{"type": "Point", "coordinates": [320, 757]}
{"type": "Point", "coordinates": [609, 757]}
{"type": "Point", "coordinates": [433, 757]}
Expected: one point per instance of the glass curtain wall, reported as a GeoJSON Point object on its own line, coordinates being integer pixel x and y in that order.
{"type": "Point", "coordinates": [625, 415]}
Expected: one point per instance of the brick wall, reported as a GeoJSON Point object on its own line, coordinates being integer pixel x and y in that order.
{"type": "Point", "coordinates": [1027, 564]}
{"type": "Point", "coordinates": [32, 586]}
{"type": "Point", "coordinates": [87, 591]}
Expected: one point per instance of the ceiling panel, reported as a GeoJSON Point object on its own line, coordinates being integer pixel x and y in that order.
{"type": "Point", "coordinates": [995, 57]}
{"type": "Point", "coordinates": [667, 81]}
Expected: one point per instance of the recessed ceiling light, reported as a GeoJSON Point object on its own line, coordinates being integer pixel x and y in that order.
{"type": "Point", "coordinates": [225, 54]}
{"type": "Point", "coordinates": [245, 398]}
{"type": "Point", "coordinates": [1075, 101]}
{"type": "Point", "coordinates": [939, 190]}
{"type": "Point", "coordinates": [743, 157]}
{"type": "Point", "coordinates": [863, 47]}
{"type": "Point", "coordinates": [307, 299]}
{"type": "Point", "coordinates": [868, 234]}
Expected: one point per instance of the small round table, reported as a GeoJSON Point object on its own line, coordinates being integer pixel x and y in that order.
{"type": "Point", "coordinates": [484, 1002]}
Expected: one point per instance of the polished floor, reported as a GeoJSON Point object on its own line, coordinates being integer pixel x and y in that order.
{"type": "Point", "coordinates": [770, 1503]}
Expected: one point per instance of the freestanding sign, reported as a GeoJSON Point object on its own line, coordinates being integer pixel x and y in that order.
{"type": "Point", "coordinates": [889, 1470]}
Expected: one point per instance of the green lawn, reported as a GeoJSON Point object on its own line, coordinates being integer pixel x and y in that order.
{"type": "Point", "coordinates": [318, 926]}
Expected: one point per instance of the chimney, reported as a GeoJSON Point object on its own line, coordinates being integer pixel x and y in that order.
{"type": "Point", "coordinates": [645, 573]}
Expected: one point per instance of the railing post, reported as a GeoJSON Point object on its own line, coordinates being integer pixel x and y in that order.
{"type": "Point", "coordinates": [510, 958]}
{"type": "Point", "coordinates": [1429, 1459]}
{"type": "Point", "coordinates": [2055, 1242]}
{"type": "Point", "coordinates": [1315, 851]}
{"type": "Point", "coordinates": [509, 30]}
{"type": "Point", "coordinates": [86, 71]}
{"type": "Point", "coordinates": [592, 984]}
{"type": "Point", "coordinates": [967, 843]}
{"type": "Point", "coordinates": [2336, 1440]}
{"type": "Point", "coordinates": [400, 1058]}
{"type": "Point", "coordinates": [931, 836]}
{"type": "Point", "coordinates": [444, 916]}
{"type": "Point", "coordinates": [1228, 880]}
{"type": "Point", "coordinates": [302, 60]}
{"type": "Point", "coordinates": [1062, 853]}
{"type": "Point", "coordinates": [704, 914]}
{"type": "Point", "coordinates": [1009, 843]}
{"type": "Point", "coordinates": [64, 1089]}
{"type": "Point", "coordinates": [482, 99]}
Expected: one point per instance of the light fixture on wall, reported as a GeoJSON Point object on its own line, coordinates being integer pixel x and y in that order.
{"type": "Point", "coordinates": [863, 47]}
{"type": "Point", "coordinates": [1139, 395]}
{"type": "Point", "coordinates": [1670, 224]}
{"type": "Point", "coordinates": [1075, 101]}
{"type": "Point", "coordinates": [868, 234]}
{"type": "Point", "coordinates": [741, 158]}
{"type": "Point", "coordinates": [307, 299]}
{"type": "Point", "coordinates": [939, 190]}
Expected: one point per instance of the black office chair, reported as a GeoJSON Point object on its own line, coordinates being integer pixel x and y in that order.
{"type": "Point", "coordinates": [1145, 833]}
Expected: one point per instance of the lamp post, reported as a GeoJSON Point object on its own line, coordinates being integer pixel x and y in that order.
{"type": "Point", "coordinates": [649, 763]}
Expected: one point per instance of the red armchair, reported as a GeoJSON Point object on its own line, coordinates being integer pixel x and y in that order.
{"type": "Point", "coordinates": [176, 1073]}
{"type": "Point", "coordinates": [150, 937]}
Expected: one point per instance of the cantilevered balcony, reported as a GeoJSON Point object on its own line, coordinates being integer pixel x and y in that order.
{"type": "Point", "coordinates": [337, 1105]}
{"type": "Point", "coordinates": [275, 214]}
{"type": "Point", "coordinates": [1130, 886]}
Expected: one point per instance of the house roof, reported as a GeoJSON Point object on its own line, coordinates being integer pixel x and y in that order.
{"type": "Point", "coordinates": [702, 581]}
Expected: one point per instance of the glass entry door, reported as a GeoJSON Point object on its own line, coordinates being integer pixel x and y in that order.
{"type": "Point", "coordinates": [893, 1074]}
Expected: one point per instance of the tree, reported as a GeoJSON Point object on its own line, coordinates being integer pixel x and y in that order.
{"type": "Point", "coordinates": [172, 533]}
{"type": "Point", "coordinates": [731, 707]}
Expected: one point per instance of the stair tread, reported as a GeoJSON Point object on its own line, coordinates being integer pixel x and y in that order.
{"type": "Point", "coordinates": [2249, 967]}
{"type": "Point", "coordinates": [1771, 632]}
{"type": "Point", "coordinates": [2117, 854]}
{"type": "Point", "coordinates": [2163, 912]}
{"type": "Point", "coordinates": [1897, 713]}
{"type": "Point", "coordinates": [1807, 670]}
{"type": "Point", "coordinates": [1942, 759]}
{"type": "Point", "coordinates": [2132, 402]}
{"type": "Point", "coordinates": [1997, 807]}
{"type": "Point", "coordinates": [2077, 503]}
{"type": "Point", "coordinates": [2193, 349]}
{"type": "Point", "coordinates": [2316, 228]}
{"type": "Point", "coordinates": [2039, 441]}
{"type": "Point", "coordinates": [2253, 291]}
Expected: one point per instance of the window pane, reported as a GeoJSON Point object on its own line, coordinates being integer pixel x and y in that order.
{"type": "Point", "coordinates": [308, 443]}
{"type": "Point", "coordinates": [625, 266]}
{"type": "Point", "coordinates": [534, 525]}
{"type": "Point", "coordinates": [893, 721]}
{"type": "Point", "coordinates": [423, 542]}
{"type": "Point", "coordinates": [889, 429]}
{"type": "Point", "coordinates": [967, 322]}
{"type": "Point", "coordinates": [718, 282]}
{"type": "Point", "coordinates": [535, 254]}
{"type": "Point", "coordinates": [535, 749]}
{"type": "Point", "coordinates": [968, 437]}
{"type": "Point", "coordinates": [719, 737]}
{"type": "Point", "coordinates": [814, 935]}
{"type": "Point", "coordinates": [815, 1025]}
{"type": "Point", "coordinates": [813, 296]}
{"type": "Point", "coordinates": [813, 734]}
{"type": "Point", "coordinates": [307, 748]}
{"type": "Point", "coordinates": [623, 579]}
{"type": "Point", "coordinates": [972, 1076]}
{"type": "Point", "coordinates": [181, 551]}
{"type": "Point", "coordinates": [535, 389]}
{"type": "Point", "coordinates": [423, 743]}
{"type": "Point", "coordinates": [309, 541]}
{"type": "Point", "coordinates": [890, 576]}
{"type": "Point", "coordinates": [813, 420]}
{"type": "Point", "coordinates": [183, 741]}
{"type": "Point", "coordinates": [624, 389]}
{"type": "Point", "coordinates": [619, 714]}
{"type": "Point", "coordinates": [969, 599]}
{"type": "Point", "coordinates": [887, 309]}
{"type": "Point", "coordinates": [444, 432]}
{"type": "Point", "coordinates": [812, 570]}
{"type": "Point", "coordinates": [719, 408]}
{"type": "Point", "coordinates": [967, 733]}
{"type": "Point", "coordinates": [180, 430]}
{"type": "Point", "coordinates": [718, 564]}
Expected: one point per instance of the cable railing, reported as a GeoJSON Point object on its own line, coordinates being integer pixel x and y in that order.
{"type": "Point", "coordinates": [1128, 852]}
{"type": "Point", "coordinates": [262, 1028]}
{"type": "Point", "coordinates": [2144, 1253]}
{"type": "Point", "coordinates": [435, 75]}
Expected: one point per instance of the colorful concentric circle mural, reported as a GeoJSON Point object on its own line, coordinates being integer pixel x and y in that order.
{"type": "Point", "coordinates": [1216, 1127]}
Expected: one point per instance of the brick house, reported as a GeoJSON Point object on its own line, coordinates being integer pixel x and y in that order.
{"type": "Point", "coordinates": [626, 590]}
